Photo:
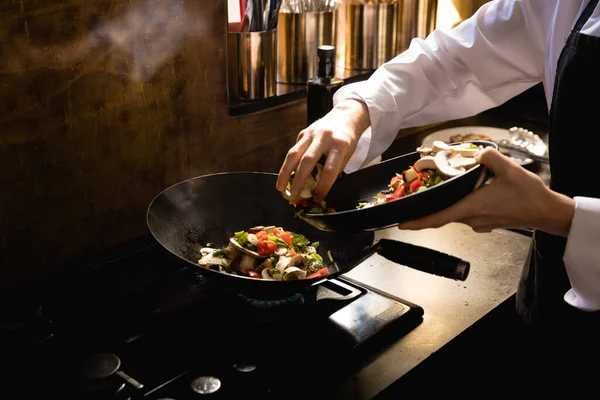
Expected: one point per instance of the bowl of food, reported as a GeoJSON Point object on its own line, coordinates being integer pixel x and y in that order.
{"type": "Point", "coordinates": [403, 188]}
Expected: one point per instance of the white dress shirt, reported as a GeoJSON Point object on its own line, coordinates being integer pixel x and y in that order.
{"type": "Point", "coordinates": [505, 48]}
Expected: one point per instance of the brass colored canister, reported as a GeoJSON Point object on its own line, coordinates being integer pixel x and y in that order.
{"type": "Point", "coordinates": [371, 34]}
{"type": "Point", "coordinates": [252, 65]}
{"type": "Point", "coordinates": [299, 36]}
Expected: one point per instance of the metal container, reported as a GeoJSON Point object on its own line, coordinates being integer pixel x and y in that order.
{"type": "Point", "coordinates": [416, 18]}
{"type": "Point", "coordinates": [299, 35]}
{"type": "Point", "coordinates": [371, 34]}
{"type": "Point", "coordinates": [252, 65]}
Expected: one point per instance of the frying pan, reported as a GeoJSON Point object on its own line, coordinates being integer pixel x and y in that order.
{"type": "Point", "coordinates": [207, 210]}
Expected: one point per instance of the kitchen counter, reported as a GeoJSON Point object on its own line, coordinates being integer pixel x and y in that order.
{"type": "Point", "coordinates": [467, 327]}
{"type": "Point", "coordinates": [450, 307]}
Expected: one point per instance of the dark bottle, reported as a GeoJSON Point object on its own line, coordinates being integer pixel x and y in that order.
{"type": "Point", "coordinates": [320, 90]}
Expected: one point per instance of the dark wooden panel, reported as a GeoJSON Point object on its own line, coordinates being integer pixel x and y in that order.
{"type": "Point", "coordinates": [102, 105]}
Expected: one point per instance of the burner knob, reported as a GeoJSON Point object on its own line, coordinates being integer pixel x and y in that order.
{"type": "Point", "coordinates": [206, 384]}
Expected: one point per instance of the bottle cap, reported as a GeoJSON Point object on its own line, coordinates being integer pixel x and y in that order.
{"type": "Point", "coordinates": [325, 51]}
{"type": "Point", "coordinates": [326, 57]}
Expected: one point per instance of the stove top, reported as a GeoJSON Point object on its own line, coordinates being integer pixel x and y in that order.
{"type": "Point", "coordinates": [139, 324]}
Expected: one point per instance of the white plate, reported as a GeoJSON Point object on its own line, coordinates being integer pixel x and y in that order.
{"type": "Point", "coordinates": [495, 134]}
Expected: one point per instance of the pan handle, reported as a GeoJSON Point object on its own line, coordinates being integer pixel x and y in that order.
{"type": "Point", "coordinates": [424, 259]}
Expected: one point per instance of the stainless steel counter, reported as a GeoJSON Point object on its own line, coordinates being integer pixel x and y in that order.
{"type": "Point", "coordinates": [450, 306]}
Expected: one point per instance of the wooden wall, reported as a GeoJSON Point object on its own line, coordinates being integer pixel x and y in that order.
{"type": "Point", "coordinates": [104, 103]}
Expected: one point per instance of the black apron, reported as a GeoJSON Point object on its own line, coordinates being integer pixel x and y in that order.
{"type": "Point", "coordinates": [562, 333]}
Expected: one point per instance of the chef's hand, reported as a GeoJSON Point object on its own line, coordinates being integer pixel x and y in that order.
{"type": "Point", "coordinates": [515, 198]}
{"type": "Point", "coordinates": [336, 136]}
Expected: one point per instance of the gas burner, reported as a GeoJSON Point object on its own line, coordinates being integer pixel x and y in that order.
{"type": "Point", "coordinates": [292, 301]}
{"type": "Point", "coordinates": [101, 372]}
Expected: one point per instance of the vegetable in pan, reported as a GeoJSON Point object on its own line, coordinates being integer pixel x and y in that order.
{"type": "Point", "coordinates": [435, 165]}
{"type": "Point", "coordinates": [270, 253]}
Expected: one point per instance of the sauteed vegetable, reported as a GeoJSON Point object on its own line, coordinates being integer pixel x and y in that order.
{"type": "Point", "coordinates": [270, 253]}
{"type": "Point", "coordinates": [435, 165]}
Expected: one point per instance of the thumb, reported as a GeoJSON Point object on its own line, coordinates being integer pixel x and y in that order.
{"type": "Point", "coordinates": [497, 162]}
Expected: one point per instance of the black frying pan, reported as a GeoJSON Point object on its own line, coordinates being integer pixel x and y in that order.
{"type": "Point", "coordinates": [209, 209]}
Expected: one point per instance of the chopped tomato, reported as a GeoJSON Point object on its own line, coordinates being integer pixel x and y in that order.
{"type": "Point", "coordinates": [399, 192]}
{"type": "Point", "coordinates": [262, 235]}
{"type": "Point", "coordinates": [415, 185]}
{"type": "Point", "coordinates": [302, 203]}
{"type": "Point", "coordinates": [291, 252]}
{"type": "Point", "coordinates": [285, 236]}
{"type": "Point", "coordinates": [276, 231]}
{"type": "Point", "coordinates": [253, 274]}
{"type": "Point", "coordinates": [319, 274]}
{"type": "Point", "coordinates": [266, 247]}
{"type": "Point", "coordinates": [332, 210]}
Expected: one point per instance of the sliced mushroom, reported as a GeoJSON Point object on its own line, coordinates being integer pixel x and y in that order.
{"type": "Point", "coordinates": [283, 263]}
{"type": "Point", "coordinates": [266, 274]}
{"type": "Point", "coordinates": [309, 185]}
{"type": "Point", "coordinates": [244, 250]}
{"type": "Point", "coordinates": [465, 151]}
{"type": "Point", "coordinates": [253, 239]}
{"type": "Point", "coordinates": [281, 250]}
{"type": "Point", "coordinates": [297, 260]}
{"type": "Point", "coordinates": [409, 175]}
{"type": "Point", "coordinates": [267, 229]}
{"type": "Point", "coordinates": [424, 151]}
{"type": "Point", "coordinates": [247, 263]}
{"type": "Point", "coordinates": [459, 162]}
{"type": "Point", "coordinates": [443, 165]}
{"type": "Point", "coordinates": [424, 163]}
{"type": "Point", "coordinates": [266, 264]}
{"type": "Point", "coordinates": [438, 146]}
{"type": "Point", "coordinates": [209, 260]}
{"type": "Point", "coordinates": [293, 274]}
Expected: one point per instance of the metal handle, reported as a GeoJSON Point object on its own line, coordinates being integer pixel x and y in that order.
{"type": "Point", "coordinates": [130, 380]}
{"type": "Point", "coordinates": [424, 259]}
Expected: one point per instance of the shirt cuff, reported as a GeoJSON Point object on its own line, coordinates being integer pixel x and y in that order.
{"type": "Point", "coordinates": [582, 256]}
{"type": "Point", "coordinates": [368, 148]}
{"type": "Point", "coordinates": [358, 158]}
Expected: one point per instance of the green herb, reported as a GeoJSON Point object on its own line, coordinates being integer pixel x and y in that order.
{"type": "Point", "coordinates": [329, 255]}
{"type": "Point", "coordinates": [299, 240]}
{"type": "Point", "coordinates": [226, 267]}
{"type": "Point", "coordinates": [317, 257]}
{"type": "Point", "coordinates": [315, 245]}
{"type": "Point", "coordinates": [275, 271]}
{"type": "Point", "coordinates": [251, 246]}
{"type": "Point", "coordinates": [361, 205]}
{"type": "Point", "coordinates": [281, 242]}
{"type": "Point", "coordinates": [219, 252]}
{"type": "Point", "coordinates": [473, 146]}
{"type": "Point", "coordinates": [241, 237]}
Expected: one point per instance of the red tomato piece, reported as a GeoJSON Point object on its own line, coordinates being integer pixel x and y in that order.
{"type": "Point", "coordinates": [266, 247]}
{"type": "Point", "coordinates": [286, 237]}
{"type": "Point", "coordinates": [399, 192]}
{"type": "Point", "coordinates": [253, 274]}
{"type": "Point", "coordinates": [262, 235]}
{"type": "Point", "coordinates": [319, 274]}
{"type": "Point", "coordinates": [415, 185]}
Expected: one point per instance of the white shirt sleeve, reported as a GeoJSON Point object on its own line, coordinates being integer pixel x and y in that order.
{"type": "Point", "coordinates": [582, 258]}
{"type": "Point", "coordinates": [496, 54]}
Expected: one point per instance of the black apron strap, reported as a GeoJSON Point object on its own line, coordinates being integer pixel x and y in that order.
{"type": "Point", "coordinates": [585, 15]}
